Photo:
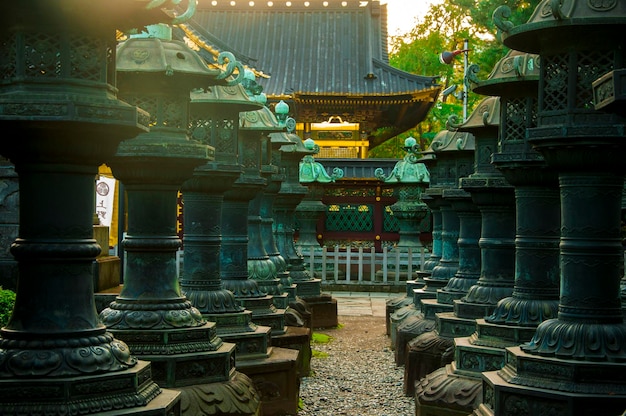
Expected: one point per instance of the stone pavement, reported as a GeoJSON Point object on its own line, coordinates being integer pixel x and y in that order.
{"type": "Point", "coordinates": [362, 303]}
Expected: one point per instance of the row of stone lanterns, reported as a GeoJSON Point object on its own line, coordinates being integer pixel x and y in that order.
{"type": "Point", "coordinates": [151, 313]}
{"type": "Point", "coordinates": [512, 320]}
{"type": "Point", "coordinates": [575, 359]}
{"type": "Point", "coordinates": [560, 146]}
{"type": "Point", "coordinates": [452, 153]}
{"type": "Point", "coordinates": [152, 332]}
{"type": "Point", "coordinates": [58, 98]}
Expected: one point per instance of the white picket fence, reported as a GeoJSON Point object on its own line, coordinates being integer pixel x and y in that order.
{"type": "Point", "coordinates": [359, 266]}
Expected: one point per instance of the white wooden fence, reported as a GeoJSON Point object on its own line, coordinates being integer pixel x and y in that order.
{"type": "Point", "coordinates": [359, 266]}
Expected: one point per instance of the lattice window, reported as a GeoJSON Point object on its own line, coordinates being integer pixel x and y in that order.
{"type": "Point", "coordinates": [225, 140]}
{"type": "Point", "coordinates": [555, 71]}
{"type": "Point", "coordinates": [149, 104]}
{"type": "Point", "coordinates": [515, 122]}
{"type": "Point", "coordinates": [339, 152]}
{"type": "Point", "coordinates": [42, 56]}
{"type": "Point", "coordinates": [249, 158]}
{"type": "Point", "coordinates": [174, 114]}
{"type": "Point", "coordinates": [85, 58]}
{"type": "Point", "coordinates": [390, 221]}
{"type": "Point", "coordinates": [348, 217]}
{"type": "Point", "coordinates": [521, 114]}
{"type": "Point", "coordinates": [200, 129]}
{"type": "Point", "coordinates": [591, 65]}
{"type": "Point", "coordinates": [8, 55]}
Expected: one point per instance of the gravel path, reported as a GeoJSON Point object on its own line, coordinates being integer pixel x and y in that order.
{"type": "Point", "coordinates": [358, 376]}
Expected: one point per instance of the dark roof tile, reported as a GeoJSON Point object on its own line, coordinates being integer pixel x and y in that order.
{"type": "Point", "coordinates": [314, 49]}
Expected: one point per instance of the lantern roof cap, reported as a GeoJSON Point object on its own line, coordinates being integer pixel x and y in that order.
{"type": "Point", "coordinates": [260, 120]}
{"type": "Point", "coordinates": [516, 74]}
{"type": "Point", "coordinates": [231, 98]}
{"type": "Point", "coordinates": [450, 141]}
{"type": "Point", "coordinates": [293, 143]}
{"type": "Point", "coordinates": [166, 58]}
{"type": "Point", "coordinates": [280, 139]}
{"type": "Point", "coordinates": [555, 24]}
{"type": "Point", "coordinates": [94, 16]}
{"type": "Point", "coordinates": [485, 115]}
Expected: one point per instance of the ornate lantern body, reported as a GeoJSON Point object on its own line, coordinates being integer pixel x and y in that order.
{"type": "Point", "coordinates": [58, 97]}
{"type": "Point", "coordinates": [578, 42]}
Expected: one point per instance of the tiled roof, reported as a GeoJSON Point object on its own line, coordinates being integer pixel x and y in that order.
{"type": "Point", "coordinates": [325, 57]}
{"type": "Point", "coordinates": [321, 48]}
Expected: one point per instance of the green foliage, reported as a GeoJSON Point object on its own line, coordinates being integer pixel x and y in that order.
{"type": "Point", "coordinates": [445, 28]}
{"type": "Point", "coordinates": [7, 301]}
{"type": "Point", "coordinates": [319, 338]}
{"type": "Point", "coordinates": [481, 11]}
{"type": "Point", "coordinates": [319, 354]}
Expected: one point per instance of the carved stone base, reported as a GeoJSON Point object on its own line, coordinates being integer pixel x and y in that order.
{"type": "Point", "coordinates": [425, 292]}
{"type": "Point", "coordinates": [473, 359]}
{"type": "Point", "coordinates": [532, 384]}
{"type": "Point", "coordinates": [306, 287]}
{"type": "Point", "coordinates": [416, 283]}
{"type": "Point", "coordinates": [281, 301]}
{"type": "Point", "coordinates": [291, 289]}
{"type": "Point", "coordinates": [265, 313]}
{"type": "Point", "coordinates": [449, 296]}
{"type": "Point", "coordinates": [473, 310]}
{"type": "Point", "coordinates": [425, 354]}
{"type": "Point", "coordinates": [571, 376]}
{"type": "Point", "coordinates": [276, 380]}
{"type": "Point", "coordinates": [449, 325]}
{"type": "Point", "coordinates": [484, 350]}
{"type": "Point", "coordinates": [501, 336]}
{"type": "Point", "coordinates": [443, 392]}
{"type": "Point", "coordinates": [236, 397]}
{"type": "Point", "coordinates": [434, 349]}
{"type": "Point", "coordinates": [393, 305]}
{"type": "Point", "coordinates": [399, 316]}
{"type": "Point", "coordinates": [129, 392]}
{"type": "Point", "coordinates": [185, 369]}
{"type": "Point", "coordinates": [251, 340]}
{"type": "Point", "coordinates": [297, 338]}
{"type": "Point", "coordinates": [294, 318]}
{"type": "Point", "coordinates": [323, 311]}
{"type": "Point", "coordinates": [514, 399]}
{"type": "Point", "coordinates": [411, 327]}
{"type": "Point", "coordinates": [430, 307]}
{"type": "Point", "coordinates": [302, 309]}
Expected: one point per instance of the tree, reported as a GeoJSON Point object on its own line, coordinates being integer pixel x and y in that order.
{"type": "Point", "coordinates": [445, 28]}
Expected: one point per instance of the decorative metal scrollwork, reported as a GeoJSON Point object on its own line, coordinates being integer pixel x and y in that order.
{"type": "Point", "coordinates": [555, 6]}
{"type": "Point", "coordinates": [500, 20]}
{"type": "Point", "coordinates": [231, 64]}
{"type": "Point", "coordinates": [186, 15]}
{"type": "Point", "coordinates": [290, 123]}
{"type": "Point", "coordinates": [453, 122]}
{"type": "Point", "coordinates": [471, 74]}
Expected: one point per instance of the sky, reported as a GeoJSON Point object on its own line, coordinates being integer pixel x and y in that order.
{"type": "Point", "coordinates": [402, 14]}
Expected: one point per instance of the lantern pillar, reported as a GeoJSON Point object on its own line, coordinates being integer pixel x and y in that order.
{"type": "Point", "coordinates": [58, 98]}
{"type": "Point", "coordinates": [575, 359]}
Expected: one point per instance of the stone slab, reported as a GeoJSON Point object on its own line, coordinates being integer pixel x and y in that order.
{"type": "Point", "coordinates": [276, 380]}
{"type": "Point", "coordinates": [298, 338]}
